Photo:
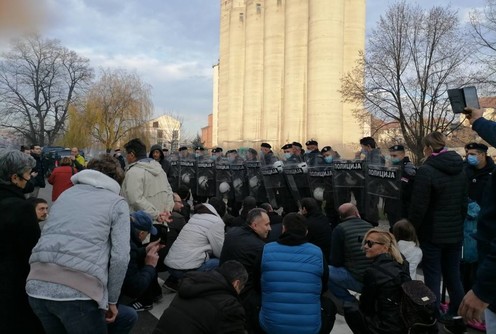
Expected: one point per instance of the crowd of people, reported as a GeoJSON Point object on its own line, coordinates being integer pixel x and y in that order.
{"type": "Point", "coordinates": [92, 263]}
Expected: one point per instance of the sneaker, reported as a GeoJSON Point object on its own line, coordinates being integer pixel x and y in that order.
{"type": "Point", "coordinates": [140, 307]}
{"type": "Point", "coordinates": [453, 325]}
{"type": "Point", "coordinates": [477, 325]}
{"type": "Point", "coordinates": [171, 285]}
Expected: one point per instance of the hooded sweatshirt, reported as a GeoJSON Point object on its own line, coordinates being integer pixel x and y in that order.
{"type": "Point", "coordinates": [439, 199]}
{"type": "Point", "coordinates": [146, 187]}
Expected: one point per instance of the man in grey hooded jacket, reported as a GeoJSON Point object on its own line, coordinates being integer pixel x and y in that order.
{"type": "Point", "coordinates": [145, 186]}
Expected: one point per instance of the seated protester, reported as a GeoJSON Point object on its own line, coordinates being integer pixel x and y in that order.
{"type": "Point", "coordinates": [221, 207]}
{"type": "Point", "coordinates": [198, 245]}
{"type": "Point", "coordinates": [245, 244]}
{"type": "Point", "coordinates": [207, 303]}
{"type": "Point", "coordinates": [294, 275]}
{"type": "Point", "coordinates": [408, 244]}
{"type": "Point", "coordinates": [141, 282]}
{"type": "Point", "coordinates": [248, 203]}
{"type": "Point", "coordinates": [378, 311]}
{"type": "Point", "coordinates": [185, 196]}
{"type": "Point", "coordinates": [275, 222]}
{"type": "Point", "coordinates": [319, 229]}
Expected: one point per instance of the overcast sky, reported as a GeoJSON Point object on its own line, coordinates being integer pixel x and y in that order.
{"type": "Point", "coordinates": [171, 44]}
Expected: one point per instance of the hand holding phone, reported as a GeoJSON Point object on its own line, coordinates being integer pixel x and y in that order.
{"type": "Point", "coordinates": [462, 98]}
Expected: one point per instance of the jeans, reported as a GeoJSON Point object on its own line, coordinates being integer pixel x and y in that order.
{"type": "Point", "coordinates": [80, 317]}
{"type": "Point", "coordinates": [443, 260]}
{"type": "Point", "coordinates": [340, 281]}
{"type": "Point", "coordinates": [208, 265]}
{"type": "Point", "coordinates": [490, 318]}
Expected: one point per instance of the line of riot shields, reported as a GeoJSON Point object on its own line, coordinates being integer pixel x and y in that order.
{"type": "Point", "coordinates": [285, 184]}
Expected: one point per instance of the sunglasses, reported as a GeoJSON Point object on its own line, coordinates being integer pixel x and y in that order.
{"type": "Point", "coordinates": [371, 243]}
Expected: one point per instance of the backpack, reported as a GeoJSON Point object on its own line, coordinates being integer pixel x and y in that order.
{"type": "Point", "coordinates": [418, 307]}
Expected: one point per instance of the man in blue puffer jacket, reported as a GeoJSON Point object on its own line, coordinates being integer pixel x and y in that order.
{"type": "Point", "coordinates": [294, 274]}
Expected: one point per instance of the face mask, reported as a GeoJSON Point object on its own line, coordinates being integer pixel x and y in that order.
{"type": "Point", "coordinates": [231, 159]}
{"type": "Point", "coordinates": [328, 159]}
{"type": "Point", "coordinates": [364, 151]}
{"type": "Point", "coordinates": [213, 157]}
{"type": "Point", "coordinates": [308, 151]}
{"type": "Point", "coordinates": [197, 155]}
{"type": "Point", "coordinates": [395, 161]}
{"type": "Point", "coordinates": [287, 155]}
{"type": "Point", "coordinates": [472, 160]}
{"type": "Point", "coordinates": [28, 188]}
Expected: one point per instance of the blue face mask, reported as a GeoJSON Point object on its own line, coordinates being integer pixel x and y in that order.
{"type": "Point", "coordinates": [395, 161]}
{"type": "Point", "coordinates": [328, 159]}
{"type": "Point", "coordinates": [287, 155]}
{"type": "Point", "coordinates": [472, 160]}
{"type": "Point", "coordinates": [197, 155]}
{"type": "Point", "coordinates": [213, 157]}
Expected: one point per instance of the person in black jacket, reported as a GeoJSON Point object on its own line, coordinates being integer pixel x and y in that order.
{"type": "Point", "coordinates": [379, 311]}
{"type": "Point", "coordinates": [19, 233]}
{"type": "Point", "coordinates": [438, 210]}
{"type": "Point", "coordinates": [245, 244]}
{"type": "Point", "coordinates": [38, 173]}
{"type": "Point", "coordinates": [141, 282]}
{"type": "Point", "coordinates": [319, 229]}
{"type": "Point", "coordinates": [207, 303]}
{"type": "Point", "coordinates": [158, 155]}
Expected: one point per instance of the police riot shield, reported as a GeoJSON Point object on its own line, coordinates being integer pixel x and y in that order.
{"type": "Point", "coordinates": [383, 187]}
{"type": "Point", "coordinates": [187, 177]}
{"type": "Point", "coordinates": [174, 171]}
{"type": "Point", "coordinates": [239, 180]}
{"type": "Point", "coordinates": [320, 182]}
{"type": "Point", "coordinates": [296, 175]}
{"type": "Point", "coordinates": [254, 181]}
{"type": "Point", "coordinates": [348, 180]}
{"type": "Point", "coordinates": [223, 179]}
{"type": "Point", "coordinates": [273, 181]}
{"type": "Point", "coordinates": [205, 178]}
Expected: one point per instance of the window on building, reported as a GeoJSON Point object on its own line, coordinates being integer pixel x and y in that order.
{"type": "Point", "coordinates": [259, 8]}
{"type": "Point", "coordinates": [160, 133]}
{"type": "Point", "coordinates": [155, 124]}
{"type": "Point", "coordinates": [175, 134]}
{"type": "Point", "coordinates": [279, 2]}
{"type": "Point", "coordinates": [241, 16]}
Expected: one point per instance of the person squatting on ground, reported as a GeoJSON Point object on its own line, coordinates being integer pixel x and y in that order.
{"type": "Point", "coordinates": [293, 275]}
{"type": "Point", "coordinates": [347, 262]}
{"type": "Point", "coordinates": [378, 311]}
{"type": "Point", "coordinates": [199, 244]}
{"type": "Point", "coordinates": [80, 261]}
{"type": "Point", "coordinates": [207, 303]}
{"type": "Point", "coordinates": [408, 244]}
{"type": "Point", "coordinates": [140, 282]}
{"type": "Point", "coordinates": [245, 244]}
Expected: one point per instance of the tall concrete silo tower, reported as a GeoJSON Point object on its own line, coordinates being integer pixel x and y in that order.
{"type": "Point", "coordinates": [280, 69]}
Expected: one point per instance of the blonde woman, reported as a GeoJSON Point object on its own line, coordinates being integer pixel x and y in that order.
{"type": "Point", "coordinates": [378, 310]}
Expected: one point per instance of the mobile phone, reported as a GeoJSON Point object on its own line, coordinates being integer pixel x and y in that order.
{"type": "Point", "coordinates": [463, 97]}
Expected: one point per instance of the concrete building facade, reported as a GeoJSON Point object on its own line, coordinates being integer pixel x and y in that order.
{"type": "Point", "coordinates": [280, 69]}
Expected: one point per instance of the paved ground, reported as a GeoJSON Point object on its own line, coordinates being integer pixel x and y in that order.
{"type": "Point", "coordinates": [148, 319]}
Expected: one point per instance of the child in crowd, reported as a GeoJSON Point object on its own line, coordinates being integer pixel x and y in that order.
{"type": "Point", "coordinates": [405, 234]}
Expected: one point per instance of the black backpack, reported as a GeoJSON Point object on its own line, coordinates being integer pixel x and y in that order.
{"type": "Point", "coordinates": [418, 307]}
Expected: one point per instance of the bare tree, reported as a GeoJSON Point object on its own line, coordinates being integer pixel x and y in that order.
{"type": "Point", "coordinates": [483, 22]}
{"type": "Point", "coordinates": [413, 56]}
{"type": "Point", "coordinates": [39, 79]}
{"type": "Point", "coordinates": [116, 106]}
